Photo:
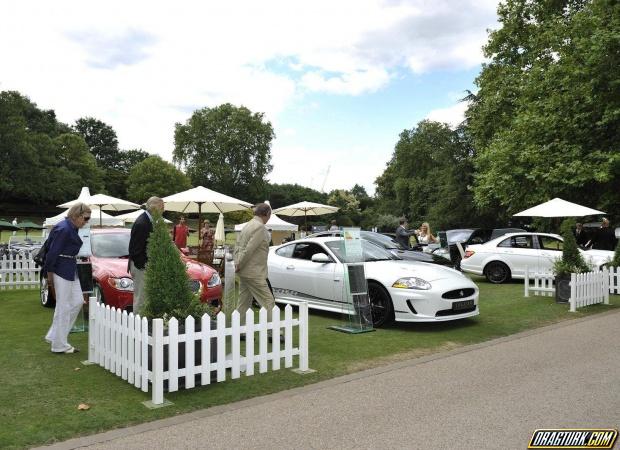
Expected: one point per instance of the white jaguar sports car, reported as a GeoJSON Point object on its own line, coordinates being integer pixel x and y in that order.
{"type": "Point", "coordinates": [312, 270]}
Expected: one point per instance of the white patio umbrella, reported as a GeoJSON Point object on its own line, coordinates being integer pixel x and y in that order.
{"type": "Point", "coordinates": [101, 202]}
{"type": "Point", "coordinates": [558, 208]}
{"type": "Point", "coordinates": [306, 209]}
{"type": "Point", "coordinates": [220, 236]}
{"type": "Point", "coordinates": [202, 200]}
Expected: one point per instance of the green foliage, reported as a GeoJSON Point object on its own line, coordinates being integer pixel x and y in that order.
{"type": "Point", "coordinates": [166, 281]}
{"type": "Point", "coordinates": [227, 149]}
{"type": "Point", "coordinates": [287, 194]}
{"type": "Point", "coordinates": [571, 261]}
{"type": "Point", "coordinates": [154, 176]}
{"type": "Point", "coordinates": [616, 261]}
{"type": "Point", "coordinates": [428, 176]}
{"type": "Point", "coordinates": [547, 111]}
{"type": "Point", "coordinates": [101, 140]}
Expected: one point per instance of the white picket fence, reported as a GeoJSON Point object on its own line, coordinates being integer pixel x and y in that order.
{"type": "Point", "coordinates": [588, 289]}
{"type": "Point", "coordinates": [543, 283]}
{"type": "Point", "coordinates": [18, 271]}
{"type": "Point", "coordinates": [614, 280]}
{"type": "Point", "coordinates": [122, 343]}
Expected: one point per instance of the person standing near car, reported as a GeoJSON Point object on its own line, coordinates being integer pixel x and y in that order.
{"type": "Point", "coordinates": [402, 234]}
{"type": "Point", "coordinates": [580, 235]}
{"type": "Point", "coordinates": [180, 233]}
{"type": "Point", "coordinates": [605, 238]}
{"type": "Point", "coordinates": [138, 241]}
{"type": "Point", "coordinates": [425, 235]}
{"type": "Point", "coordinates": [333, 226]}
{"type": "Point", "coordinates": [250, 257]}
{"type": "Point", "coordinates": [61, 268]}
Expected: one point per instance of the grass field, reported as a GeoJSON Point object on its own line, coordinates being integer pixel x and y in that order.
{"type": "Point", "coordinates": [41, 391]}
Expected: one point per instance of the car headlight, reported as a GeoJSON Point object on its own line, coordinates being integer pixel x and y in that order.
{"type": "Point", "coordinates": [122, 284]}
{"type": "Point", "coordinates": [441, 251]}
{"type": "Point", "coordinates": [214, 280]}
{"type": "Point", "coordinates": [412, 283]}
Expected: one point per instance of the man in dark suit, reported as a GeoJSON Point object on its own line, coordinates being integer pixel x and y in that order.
{"type": "Point", "coordinates": [580, 235]}
{"type": "Point", "coordinates": [138, 257]}
{"type": "Point", "coordinates": [605, 237]}
{"type": "Point", "coordinates": [402, 234]}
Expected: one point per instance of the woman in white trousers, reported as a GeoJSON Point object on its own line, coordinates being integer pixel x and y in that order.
{"type": "Point", "coordinates": [61, 268]}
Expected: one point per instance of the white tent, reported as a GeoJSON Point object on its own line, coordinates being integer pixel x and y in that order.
{"type": "Point", "coordinates": [107, 220]}
{"type": "Point", "coordinates": [132, 216]}
{"type": "Point", "coordinates": [559, 208]}
{"type": "Point", "coordinates": [274, 223]}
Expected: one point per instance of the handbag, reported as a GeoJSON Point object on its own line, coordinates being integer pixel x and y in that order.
{"type": "Point", "coordinates": [39, 257]}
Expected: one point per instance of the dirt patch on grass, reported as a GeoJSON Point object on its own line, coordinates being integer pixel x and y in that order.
{"type": "Point", "coordinates": [402, 356]}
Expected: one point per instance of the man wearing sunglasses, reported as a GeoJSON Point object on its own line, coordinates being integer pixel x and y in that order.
{"type": "Point", "coordinates": [61, 269]}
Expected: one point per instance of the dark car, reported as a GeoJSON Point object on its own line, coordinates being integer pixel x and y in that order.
{"type": "Point", "coordinates": [393, 247]}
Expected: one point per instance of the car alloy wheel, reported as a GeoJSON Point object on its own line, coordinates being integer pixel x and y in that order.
{"type": "Point", "coordinates": [497, 272]}
{"type": "Point", "coordinates": [380, 305]}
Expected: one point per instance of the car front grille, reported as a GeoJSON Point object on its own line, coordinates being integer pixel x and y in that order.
{"type": "Point", "coordinates": [458, 293]}
{"type": "Point", "coordinates": [452, 312]}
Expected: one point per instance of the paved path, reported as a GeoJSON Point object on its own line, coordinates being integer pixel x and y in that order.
{"type": "Point", "coordinates": [486, 396]}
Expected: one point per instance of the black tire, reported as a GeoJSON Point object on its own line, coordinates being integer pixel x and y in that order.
{"type": "Point", "coordinates": [381, 306]}
{"type": "Point", "coordinates": [45, 296]}
{"type": "Point", "coordinates": [497, 272]}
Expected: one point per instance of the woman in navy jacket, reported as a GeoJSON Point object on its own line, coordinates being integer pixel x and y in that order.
{"type": "Point", "coordinates": [61, 268]}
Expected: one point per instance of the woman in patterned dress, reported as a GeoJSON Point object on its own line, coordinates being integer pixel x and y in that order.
{"type": "Point", "coordinates": [208, 238]}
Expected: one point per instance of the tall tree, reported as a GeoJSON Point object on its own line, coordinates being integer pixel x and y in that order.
{"type": "Point", "coordinates": [428, 176]}
{"type": "Point", "coordinates": [101, 140]}
{"type": "Point", "coordinates": [546, 117]}
{"type": "Point", "coordinates": [154, 176]}
{"type": "Point", "coordinates": [286, 194]}
{"type": "Point", "coordinates": [227, 149]}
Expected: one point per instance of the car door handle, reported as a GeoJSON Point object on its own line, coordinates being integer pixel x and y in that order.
{"type": "Point", "coordinates": [336, 280]}
{"type": "Point", "coordinates": [290, 267]}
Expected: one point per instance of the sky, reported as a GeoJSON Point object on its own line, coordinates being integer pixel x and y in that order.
{"type": "Point", "coordinates": [339, 80]}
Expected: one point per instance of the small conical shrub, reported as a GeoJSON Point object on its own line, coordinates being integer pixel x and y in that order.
{"type": "Point", "coordinates": [571, 261]}
{"type": "Point", "coordinates": [167, 289]}
{"type": "Point", "coordinates": [616, 261]}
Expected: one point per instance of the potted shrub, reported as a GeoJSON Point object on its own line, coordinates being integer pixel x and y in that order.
{"type": "Point", "coordinates": [167, 289]}
{"type": "Point", "coordinates": [571, 262]}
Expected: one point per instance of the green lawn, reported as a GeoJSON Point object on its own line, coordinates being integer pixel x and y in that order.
{"type": "Point", "coordinates": [41, 391]}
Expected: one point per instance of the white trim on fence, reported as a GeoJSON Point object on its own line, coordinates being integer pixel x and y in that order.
{"type": "Point", "coordinates": [18, 271]}
{"type": "Point", "coordinates": [588, 289]}
{"type": "Point", "coordinates": [614, 280]}
{"type": "Point", "coordinates": [543, 283]}
{"type": "Point", "coordinates": [121, 343]}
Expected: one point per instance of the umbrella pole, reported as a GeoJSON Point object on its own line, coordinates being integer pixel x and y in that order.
{"type": "Point", "coordinates": [306, 222]}
{"type": "Point", "coordinates": [100, 218]}
{"type": "Point", "coordinates": [199, 214]}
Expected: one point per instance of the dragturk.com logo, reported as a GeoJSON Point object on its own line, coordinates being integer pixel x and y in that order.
{"type": "Point", "coordinates": [574, 438]}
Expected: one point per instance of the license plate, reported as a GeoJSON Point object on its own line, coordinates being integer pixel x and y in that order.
{"type": "Point", "coordinates": [464, 304]}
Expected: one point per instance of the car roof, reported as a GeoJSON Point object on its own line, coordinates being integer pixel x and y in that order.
{"type": "Point", "coordinates": [527, 233]}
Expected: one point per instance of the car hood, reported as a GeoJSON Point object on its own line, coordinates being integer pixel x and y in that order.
{"type": "Point", "coordinates": [399, 269]}
{"type": "Point", "coordinates": [599, 256]}
{"type": "Point", "coordinates": [413, 255]}
{"type": "Point", "coordinates": [112, 267]}
{"type": "Point", "coordinates": [197, 270]}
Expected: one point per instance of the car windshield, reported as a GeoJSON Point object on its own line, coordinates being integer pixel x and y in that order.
{"type": "Point", "coordinates": [458, 235]}
{"type": "Point", "coordinates": [381, 240]}
{"type": "Point", "coordinates": [370, 252]}
{"type": "Point", "coordinates": [110, 245]}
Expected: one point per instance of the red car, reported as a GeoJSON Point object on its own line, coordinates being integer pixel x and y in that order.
{"type": "Point", "coordinates": [113, 285]}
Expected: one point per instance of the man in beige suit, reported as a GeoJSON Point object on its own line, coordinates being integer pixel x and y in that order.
{"type": "Point", "coordinates": [250, 256]}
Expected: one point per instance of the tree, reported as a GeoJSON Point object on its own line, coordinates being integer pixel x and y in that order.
{"type": "Point", "coordinates": [166, 281]}
{"type": "Point", "coordinates": [101, 140]}
{"type": "Point", "coordinates": [117, 178]}
{"type": "Point", "coordinates": [227, 149]}
{"type": "Point", "coordinates": [349, 207]}
{"type": "Point", "coordinates": [154, 176]}
{"type": "Point", "coordinates": [287, 194]}
{"type": "Point", "coordinates": [547, 112]}
{"type": "Point", "coordinates": [77, 165]}
{"type": "Point", "coordinates": [428, 176]}
{"type": "Point", "coordinates": [360, 194]}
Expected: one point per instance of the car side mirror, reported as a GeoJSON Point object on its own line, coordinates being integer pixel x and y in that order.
{"type": "Point", "coordinates": [321, 258]}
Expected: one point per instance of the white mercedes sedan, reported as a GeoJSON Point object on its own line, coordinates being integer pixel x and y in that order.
{"type": "Point", "coordinates": [507, 256]}
{"type": "Point", "coordinates": [313, 270]}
